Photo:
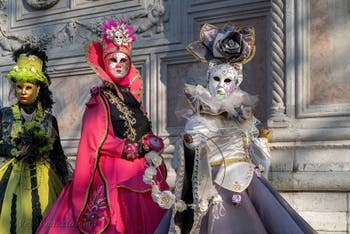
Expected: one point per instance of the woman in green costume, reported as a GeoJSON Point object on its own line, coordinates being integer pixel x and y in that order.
{"type": "Point", "coordinates": [33, 167]}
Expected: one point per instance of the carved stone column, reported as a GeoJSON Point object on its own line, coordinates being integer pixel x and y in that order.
{"type": "Point", "coordinates": [277, 116]}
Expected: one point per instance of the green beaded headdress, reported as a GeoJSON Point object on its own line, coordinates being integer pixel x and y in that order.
{"type": "Point", "coordinates": [29, 68]}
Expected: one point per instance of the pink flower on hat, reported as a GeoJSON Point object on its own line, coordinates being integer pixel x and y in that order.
{"type": "Point", "coordinates": [119, 33]}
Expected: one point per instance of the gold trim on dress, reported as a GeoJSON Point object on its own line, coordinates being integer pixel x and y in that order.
{"type": "Point", "coordinates": [127, 114]}
{"type": "Point", "coordinates": [97, 158]}
{"type": "Point", "coordinates": [228, 161]}
{"type": "Point", "coordinates": [134, 190]}
{"type": "Point", "coordinates": [134, 78]}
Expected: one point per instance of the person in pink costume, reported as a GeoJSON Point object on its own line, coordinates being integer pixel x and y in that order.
{"type": "Point", "coordinates": [117, 177]}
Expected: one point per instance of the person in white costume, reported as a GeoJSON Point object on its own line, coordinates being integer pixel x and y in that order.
{"type": "Point", "coordinates": [222, 160]}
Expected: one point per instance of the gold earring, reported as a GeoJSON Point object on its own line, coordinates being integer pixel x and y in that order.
{"type": "Point", "coordinates": [37, 92]}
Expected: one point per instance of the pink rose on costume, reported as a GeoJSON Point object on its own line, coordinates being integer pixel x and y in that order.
{"type": "Point", "coordinates": [130, 149]}
{"type": "Point", "coordinates": [154, 142]}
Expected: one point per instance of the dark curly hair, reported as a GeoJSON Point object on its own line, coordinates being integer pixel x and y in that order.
{"type": "Point", "coordinates": [45, 94]}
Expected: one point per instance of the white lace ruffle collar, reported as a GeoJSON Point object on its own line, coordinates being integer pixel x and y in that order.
{"type": "Point", "coordinates": [203, 102]}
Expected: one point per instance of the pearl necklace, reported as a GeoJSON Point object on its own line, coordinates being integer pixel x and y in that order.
{"type": "Point", "coordinates": [28, 117]}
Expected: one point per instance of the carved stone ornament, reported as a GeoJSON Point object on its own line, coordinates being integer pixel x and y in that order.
{"type": "Point", "coordinates": [151, 19]}
{"type": "Point", "coordinates": [41, 4]}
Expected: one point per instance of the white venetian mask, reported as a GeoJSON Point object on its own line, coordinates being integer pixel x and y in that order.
{"type": "Point", "coordinates": [223, 79]}
{"type": "Point", "coordinates": [118, 38]}
{"type": "Point", "coordinates": [118, 64]}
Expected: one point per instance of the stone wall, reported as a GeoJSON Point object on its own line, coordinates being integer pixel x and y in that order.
{"type": "Point", "coordinates": [300, 72]}
{"type": "Point", "coordinates": [311, 155]}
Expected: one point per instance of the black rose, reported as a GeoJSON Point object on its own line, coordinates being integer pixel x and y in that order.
{"type": "Point", "coordinates": [228, 45]}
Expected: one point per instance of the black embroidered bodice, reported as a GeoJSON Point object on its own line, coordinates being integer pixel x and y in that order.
{"type": "Point", "coordinates": [128, 120]}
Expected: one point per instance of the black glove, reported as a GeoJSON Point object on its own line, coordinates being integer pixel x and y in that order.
{"type": "Point", "coordinates": [5, 150]}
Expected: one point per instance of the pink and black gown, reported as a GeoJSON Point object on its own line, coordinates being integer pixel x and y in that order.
{"type": "Point", "coordinates": [107, 193]}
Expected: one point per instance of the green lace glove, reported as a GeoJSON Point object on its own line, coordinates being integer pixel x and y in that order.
{"type": "Point", "coordinates": [19, 154]}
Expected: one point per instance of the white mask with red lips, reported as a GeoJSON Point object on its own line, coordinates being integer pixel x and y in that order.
{"type": "Point", "coordinates": [117, 65]}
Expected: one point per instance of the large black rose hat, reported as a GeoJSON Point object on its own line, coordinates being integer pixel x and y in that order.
{"type": "Point", "coordinates": [231, 43]}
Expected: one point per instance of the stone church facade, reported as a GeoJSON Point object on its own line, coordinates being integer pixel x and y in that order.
{"type": "Point", "coordinates": [301, 73]}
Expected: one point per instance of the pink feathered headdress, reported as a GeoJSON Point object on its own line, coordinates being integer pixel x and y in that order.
{"type": "Point", "coordinates": [116, 37]}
